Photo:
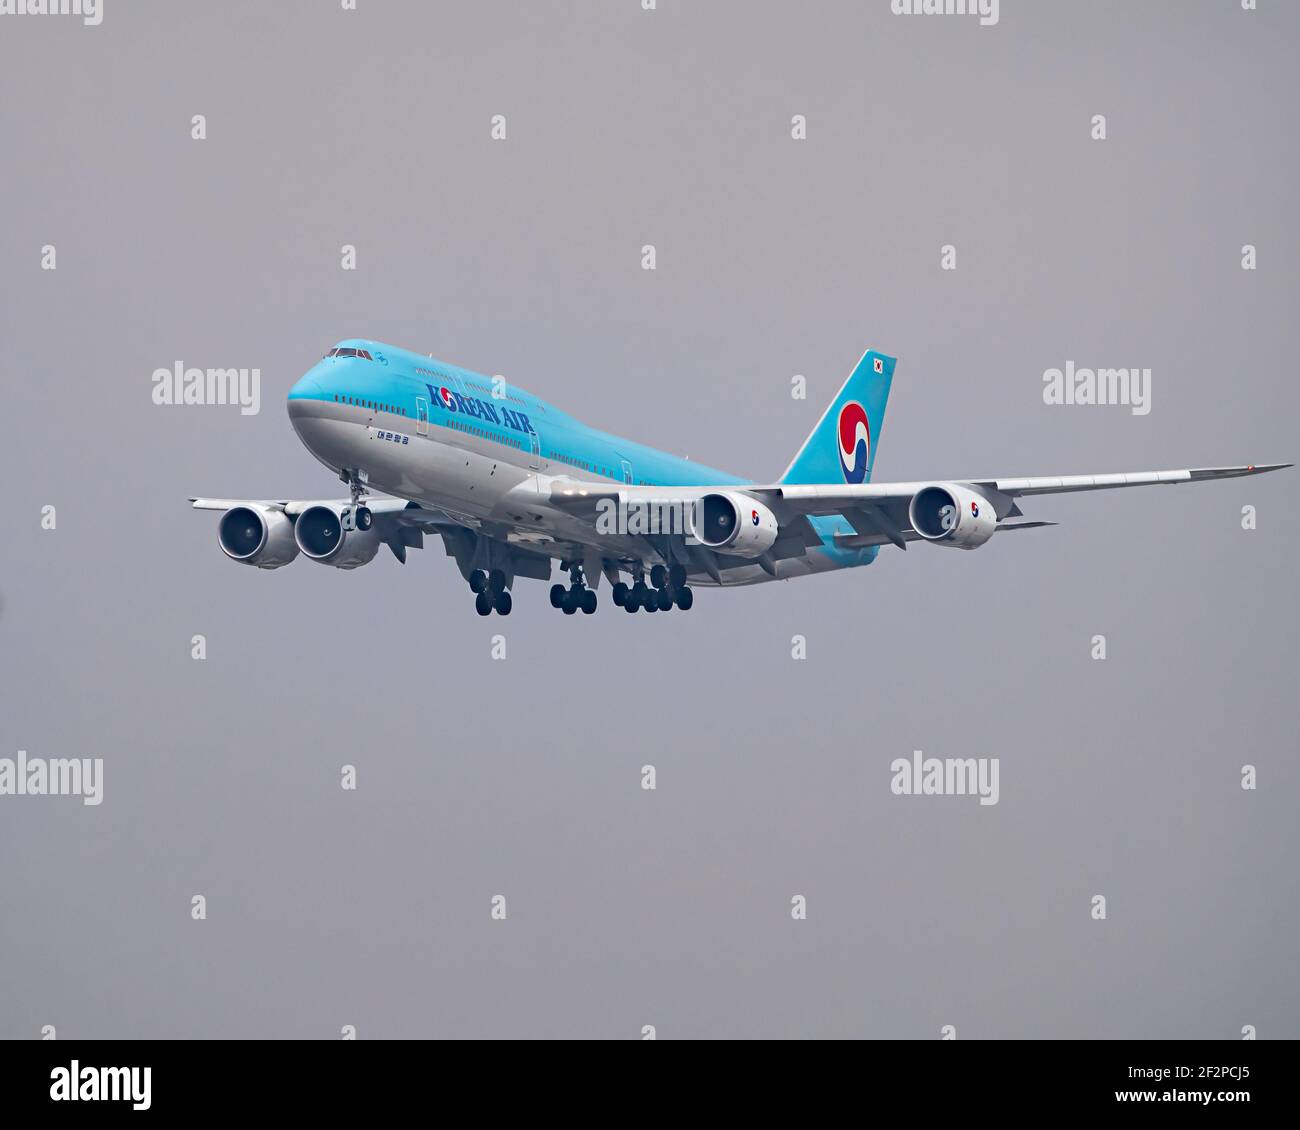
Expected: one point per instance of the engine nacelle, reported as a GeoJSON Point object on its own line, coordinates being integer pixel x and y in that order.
{"type": "Point", "coordinates": [320, 535]}
{"type": "Point", "coordinates": [257, 535]}
{"type": "Point", "coordinates": [733, 523]}
{"type": "Point", "coordinates": [947, 514]}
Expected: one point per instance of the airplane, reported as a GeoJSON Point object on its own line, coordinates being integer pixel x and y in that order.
{"type": "Point", "coordinates": [512, 483]}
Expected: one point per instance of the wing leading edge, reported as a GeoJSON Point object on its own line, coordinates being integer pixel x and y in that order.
{"type": "Point", "coordinates": [827, 499]}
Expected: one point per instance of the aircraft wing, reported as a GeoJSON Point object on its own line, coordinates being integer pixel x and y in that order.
{"type": "Point", "coordinates": [878, 512]}
{"type": "Point", "coordinates": [818, 499]}
{"type": "Point", "coordinates": [831, 498]}
{"type": "Point", "coordinates": [401, 524]}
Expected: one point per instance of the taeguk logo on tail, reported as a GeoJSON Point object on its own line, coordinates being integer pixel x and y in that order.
{"type": "Point", "coordinates": [855, 442]}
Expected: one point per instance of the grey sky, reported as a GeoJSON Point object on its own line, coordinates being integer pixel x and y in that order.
{"type": "Point", "coordinates": [522, 777]}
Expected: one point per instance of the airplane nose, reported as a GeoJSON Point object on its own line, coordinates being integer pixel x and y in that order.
{"type": "Point", "coordinates": [306, 389]}
{"type": "Point", "coordinates": [308, 415]}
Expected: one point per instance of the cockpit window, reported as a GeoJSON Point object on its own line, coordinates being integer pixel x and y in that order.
{"type": "Point", "coordinates": [348, 351]}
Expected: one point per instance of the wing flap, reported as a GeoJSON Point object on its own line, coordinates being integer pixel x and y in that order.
{"type": "Point", "coordinates": [861, 541]}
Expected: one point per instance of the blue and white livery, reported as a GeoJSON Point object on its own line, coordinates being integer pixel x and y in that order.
{"type": "Point", "coordinates": [512, 484]}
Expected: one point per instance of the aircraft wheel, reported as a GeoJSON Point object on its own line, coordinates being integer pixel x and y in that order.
{"type": "Point", "coordinates": [504, 602]}
{"type": "Point", "coordinates": [664, 600]}
{"type": "Point", "coordinates": [589, 602]}
{"type": "Point", "coordinates": [477, 581]}
{"type": "Point", "coordinates": [677, 576]}
{"type": "Point", "coordinates": [620, 593]}
{"type": "Point", "coordinates": [483, 604]}
{"type": "Point", "coordinates": [557, 596]}
{"type": "Point", "coordinates": [631, 604]}
{"type": "Point", "coordinates": [570, 605]}
{"type": "Point", "coordinates": [658, 575]}
{"type": "Point", "coordinates": [651, 603]}
{"type": "Point", "coordinates": [497, 581]}
{"type": "Point", "coordinates": [685, 598]}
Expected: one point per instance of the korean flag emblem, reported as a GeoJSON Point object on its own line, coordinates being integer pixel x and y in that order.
{"type": "Point", "coordinates": [879, 364]}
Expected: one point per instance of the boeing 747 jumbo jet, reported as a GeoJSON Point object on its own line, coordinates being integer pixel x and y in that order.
{"type": "Point", "coordinates": [511, 483]}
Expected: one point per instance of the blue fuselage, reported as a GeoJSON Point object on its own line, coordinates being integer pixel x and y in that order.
{"type": "Point", "coordinates": [472, 445]}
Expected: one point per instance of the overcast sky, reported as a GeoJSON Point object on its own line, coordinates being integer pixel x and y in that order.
{"type": "Point", "coordinates": [522, 777]}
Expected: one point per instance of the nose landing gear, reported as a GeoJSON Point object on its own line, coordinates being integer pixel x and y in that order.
{"type": "Point", "coordinates": [357, 516]}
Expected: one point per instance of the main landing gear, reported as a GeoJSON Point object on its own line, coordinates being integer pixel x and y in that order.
{"type": "Point", "coordinates": [492, 594]}
{"type": "Point", "coordinates": [577, 595]}
{"type": "Point", "coordinates": [667, 587]}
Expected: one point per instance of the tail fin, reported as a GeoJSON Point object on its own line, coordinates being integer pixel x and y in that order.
{"type": "Point", "coordinates": [842, 447]}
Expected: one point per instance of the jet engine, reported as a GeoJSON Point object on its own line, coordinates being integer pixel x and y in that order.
{"type": "Point", "coordinates": [950, 515]}
{"type": "Point", "coordinates": [257, 535]}
{"type": "Point", "coordinates": [733, 523]}
{"type": "Point", "coordinates": [320, 534]}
